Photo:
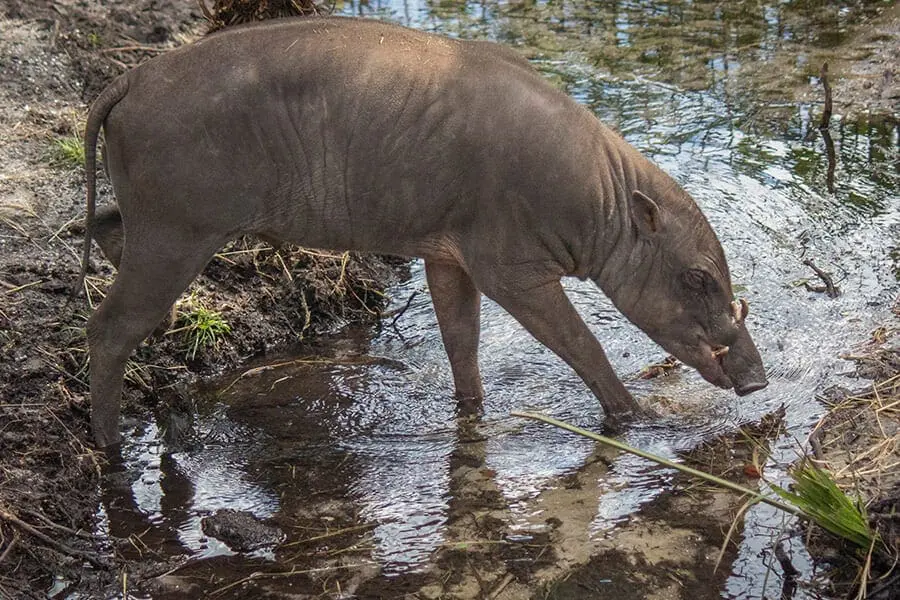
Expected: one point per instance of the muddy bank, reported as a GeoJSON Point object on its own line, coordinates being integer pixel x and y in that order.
{"type": "Point", "coordinates": [858, 442]}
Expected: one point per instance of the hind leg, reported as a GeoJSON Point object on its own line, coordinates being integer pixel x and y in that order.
{"type": "Point", "coordinates": [151, 278]}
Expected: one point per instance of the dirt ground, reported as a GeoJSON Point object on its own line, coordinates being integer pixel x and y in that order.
{"type": "Point", "coordinates": [55, 57]}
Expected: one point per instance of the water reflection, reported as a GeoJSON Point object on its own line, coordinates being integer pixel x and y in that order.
{"type": "Point", "coordinates": [704, 89]}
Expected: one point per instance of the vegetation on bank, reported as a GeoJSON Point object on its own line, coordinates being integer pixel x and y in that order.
{"type": "Point", "coordinates": [858, 443]}
{"type": "Point", "coordinates": [225, 13]}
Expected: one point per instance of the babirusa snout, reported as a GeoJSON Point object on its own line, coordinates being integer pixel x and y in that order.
{"type": "Point", "coordinates": [743, 364]}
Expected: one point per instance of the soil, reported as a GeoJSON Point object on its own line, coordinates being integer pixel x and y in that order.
{"type": "Point", "coordinates": [55, 57]}
{"type": "Point", "coordinates": [241, 530]}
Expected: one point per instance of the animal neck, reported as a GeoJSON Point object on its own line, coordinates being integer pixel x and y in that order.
{"type": "Point", "coordinates": [618, 251]}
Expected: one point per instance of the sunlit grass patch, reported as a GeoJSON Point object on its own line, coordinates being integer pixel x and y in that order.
{"type": "Point", "coordinates": [67, 152]}
{"type": "Point", "coordinates": [202, 327]}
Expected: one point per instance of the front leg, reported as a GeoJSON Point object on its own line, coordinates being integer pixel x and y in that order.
{"type": "Point", "coordinates": [546, 312]}
{"type": "Point", "coordinates": [457, 303]}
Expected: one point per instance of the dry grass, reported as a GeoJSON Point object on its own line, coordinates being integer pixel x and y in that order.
{"type": "Point", "coordinates": [224, 13]}
{"type": "Point", "coordinates": [858, 443]}
{"type": "Point", "coordinates": [310, 286]}
{"type": "Point", "coordinates": [878, 412]}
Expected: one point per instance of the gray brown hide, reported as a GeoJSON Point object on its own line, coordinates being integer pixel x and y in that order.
{"type": "Point", "coordinates": [351, 134]}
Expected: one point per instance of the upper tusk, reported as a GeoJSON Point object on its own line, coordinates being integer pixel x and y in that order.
{"type": "Point", "coordinates": [720, 351]}
{"type": "Point", "coordinates": [739, 311]}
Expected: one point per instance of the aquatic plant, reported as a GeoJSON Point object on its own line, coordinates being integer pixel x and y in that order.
{"type": "Point", "coordinates": [819, 498]}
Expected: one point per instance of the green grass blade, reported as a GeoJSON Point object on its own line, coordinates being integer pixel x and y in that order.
{"type": "Point", "coordinates": [819, 497]}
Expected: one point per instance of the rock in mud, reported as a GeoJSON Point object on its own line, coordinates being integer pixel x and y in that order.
{"type": "Point", "coordinates": [241, 530]}
{"type": "Point", "coordinates": [173, 587]}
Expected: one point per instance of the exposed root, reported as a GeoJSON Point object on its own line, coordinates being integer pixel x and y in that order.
{"type": "Point", "coordinates": [58, 546]}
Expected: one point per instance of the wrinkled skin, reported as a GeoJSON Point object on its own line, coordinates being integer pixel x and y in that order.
{"type": "Point", "coordinates": [346, 134]}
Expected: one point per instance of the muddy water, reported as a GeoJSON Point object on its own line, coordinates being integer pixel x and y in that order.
{"type": "Point", "coordinates": [366, 420]}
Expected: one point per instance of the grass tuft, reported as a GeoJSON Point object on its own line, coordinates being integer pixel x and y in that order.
{"type": "Point", "coordinates": [822, 501]}
{"type": "Point", "coordinates": [203, 328]}
{"type": "Point", "coordinates": [68, 152]}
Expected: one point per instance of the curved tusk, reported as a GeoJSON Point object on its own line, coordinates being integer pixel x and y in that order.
{"type": "Point", "coordinates": [739, 311]}
{"type": "Point", "coordinates": [720, 352]}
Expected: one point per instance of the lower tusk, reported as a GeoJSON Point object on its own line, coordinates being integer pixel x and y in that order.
{"type": "Point", "coordinates": [720, 352]}
{"type": "Point", "coordinates": [745, 309]}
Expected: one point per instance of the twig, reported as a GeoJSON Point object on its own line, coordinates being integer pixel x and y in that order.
{"type": "Point", "coordinates": [279, 574]}
{"type": "Point", "coordinates": [790, 572]}
{"type": "Point", "coordinates": [397, 313]}
{"type": "Point", "coordinates": [502, 586]}
{"type": "Point", "coordinates": [865, 571]}
{"type": "Point", "coordinates": [826, 113]}
{"type": "Point", "coordinates": [831, 156]}
{"type": "Point", "coordinates": [59, 546]}
{"type": "Point", "coordinates": [9, 547]}
{"type": "Point", "coordinates": [830, 290]}
{"type": "Point", "coordinates": [24, 286]}
{"type": "Point", "coordinates": [330, 534]}
{"type": "Point", "coordinates": [134, 48]}
{"type": "Point", "coordinates": [50, 523]}
{"type": "Point", "coordinates": [273, 366]}
{"type": "Point", "coordinates": [816, 444]}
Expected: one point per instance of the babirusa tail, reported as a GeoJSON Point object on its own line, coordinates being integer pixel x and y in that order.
{"type": "Point", "coordinates": [97, 116]}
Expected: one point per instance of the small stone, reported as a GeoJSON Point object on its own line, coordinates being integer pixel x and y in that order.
{"type": "Point", "coordinates": [174, 587]}
{"type": "Point", "coordinates": [241, 530]}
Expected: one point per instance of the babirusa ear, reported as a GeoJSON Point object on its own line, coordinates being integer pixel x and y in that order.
{"type": "Point", "coordinates": [644, 213]}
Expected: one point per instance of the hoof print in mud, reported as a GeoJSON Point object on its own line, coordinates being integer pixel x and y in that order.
{"type": "Point", "coordinates": [240, 530]}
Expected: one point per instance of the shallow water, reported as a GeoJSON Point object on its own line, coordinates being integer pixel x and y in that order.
{"type": "Point", "coordinates": [705, 90]}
